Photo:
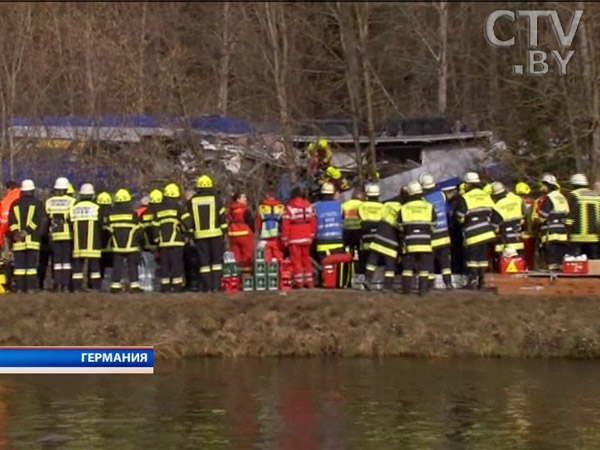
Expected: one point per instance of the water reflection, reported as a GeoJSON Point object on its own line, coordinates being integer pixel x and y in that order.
{"type": "Point", "coordinates": [310, 404]}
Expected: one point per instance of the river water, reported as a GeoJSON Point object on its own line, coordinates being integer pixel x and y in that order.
{"type": "Point", "coordinates": [310, 404]}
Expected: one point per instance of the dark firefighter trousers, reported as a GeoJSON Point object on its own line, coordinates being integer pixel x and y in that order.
{"type": "Point", "coordinates": [93, 271]}
{"type": "Point", "coordinates": [376, 259]}
{"type": "Point", "coordinates": [171, 268]}
{"type": "Point", "coordinates": [419, 263]}
{"type": "Point", "coordinates": [61, 263]}
{"type": "Point", "coordinates": [210, 254]}
{"type": "Point", "coordinates": [43, 260]}
{"type": "Point", "coordinates": [26, 270]}
{"type": "Point", "coordinates": [125, 262]}
{"type": "Point", "coordinates": [442, 260]}
{"type": "Point", "coordinates": [555, 253]}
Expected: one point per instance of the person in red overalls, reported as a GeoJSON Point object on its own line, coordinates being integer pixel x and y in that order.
{"type": "Point", "coordinates": [298, 228]}
{"type": "Point", "coordinates": [12, 194]}
{"type": "Point", "coordinates": [241, 231]}
{"type": "Point", "coordinates": [268, 226]}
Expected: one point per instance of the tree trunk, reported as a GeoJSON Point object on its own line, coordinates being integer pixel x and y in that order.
{"type": "Point", "coordinates": [142, 47]}
{"type": "Point", "coordinates": [362, 21]}
{"type": "Point", "coordinates": [351, 71]}
{"type": "Point", "coordinates": [224, 62]}
{"type": "Point", "coordinates": [591, 94]}
{"type": "Point", "coordinates": [443, 58]}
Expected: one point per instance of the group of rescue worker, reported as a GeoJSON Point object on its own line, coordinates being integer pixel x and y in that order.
{"type": "Point", "coordinates": [421, 231]}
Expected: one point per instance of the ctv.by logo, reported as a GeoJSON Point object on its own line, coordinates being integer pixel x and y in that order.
{"type": "Point", "coordinates": [536, 59]}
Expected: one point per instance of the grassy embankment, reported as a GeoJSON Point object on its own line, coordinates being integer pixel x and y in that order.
{"type": "Point", "coordinates": [309, 323]}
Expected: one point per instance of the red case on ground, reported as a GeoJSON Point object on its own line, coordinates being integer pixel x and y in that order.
{"type": "Point", "coordinates": [329, 275]}
{"type": "Point", "coordinates": [230, 284]}
{"type": "Point", "coordinates": [578, 267]}
{"type": "Point", "coordinates": [337, 258]}
{"type": "Point", "coordinates": [514, 264]}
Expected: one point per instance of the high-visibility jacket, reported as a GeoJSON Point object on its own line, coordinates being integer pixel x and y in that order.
{"type": "Point", "coordinates": [474, 212]}
{"type": "Point", "coordinates": [386, 239]}
{"type": "Point", "coordinates": [125, 229]}
{"type": "Point", "coordinates": [441, 234]}
{"type": "Point", "coordinates": [584, 216]}
{"type": "Point", "coordinates": [369, 213]}
{"type": "Point", "coordinates": [105, 244]}
{"type": "Point", "coordinates": [553, 215]}
{"type": "Point", "coordinates": [27, 215]}
{"type": "Point", "coordinates": [329, 234]}
{"type": "Point", "coordinates": [5, 205]}
{"type": "Point", "coordinates": [416, 220]}
{"type": "Point", "coordinates": [208, 215]}
{"type": "Point", "coordinates": [528, 229]}
{"type": "Point", "coordinates": [508, 218]}
{"type": "Point", "coordinates": [149, 231]}
{"type": "Point", "coordinates": [87, 221]}
{"type": "Point", "coordinates": [170, 222]}
{"type": "Point", "coordinates": [268, 219]}
{"type": "Point", "coordinates": [350, 214]}
{"type": "Point", "coordinates": [239, 220]}
{"type": "Point", "coordinates": [58, 208]}
{"type": "Point", "coordinates": [298, 223]}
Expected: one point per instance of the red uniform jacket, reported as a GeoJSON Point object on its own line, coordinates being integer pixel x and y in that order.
{"type": "Point", "coordinates": [299, 223]}
{"type": "Point", "coordinates": [239, 219]}
{"type": "Point", "coordinates": [5, 205]}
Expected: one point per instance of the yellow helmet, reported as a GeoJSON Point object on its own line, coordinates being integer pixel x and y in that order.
{"type": "Point", "coordinates": [204, 181]}
{"type": "Point", "coordinates": [70, 189]}
{"type": "Point", "coordinates": [311, 147]}
{"type": "Point", "coordinates": [322, 143]}
{"type": "Point", "coordinates": [172, 190]}
{"type": "Point", "coordinates": [104, 198]}
{"type": "Point", "coordinates": [122, 196]}
{"type": "Point", "coordinates": [522, 188]}
{"type": "Point", "coordinates": [333, 172]}
{"type": "Point", "coordinates": [156, 196]}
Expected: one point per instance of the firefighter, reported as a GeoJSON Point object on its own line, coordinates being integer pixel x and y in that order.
{"type": "Point", "coordinates": [523, 190]}
{"type": "Point", "coordinates": [417, 222]}
{"type": "Point", "coordinates": [369, 213]}
{"type": "Point", "coordinates": [298, 228]}
{"type": "Point", "coordinates": [268, 226]}
{"type": "Point", "coordinates": [87, 221]}
{"type": "Point", "coordinates": [584, 218]}
{"type": "Point", "coordinates": [329, 235]}
{"type": "Point", "coordinates": [26, 223]}
{"type": "Point", "coordinates": [104, 201]}
{"type": "Point", "coordinates": [383, 249]}
{"type": "Point", "coordinates": [457, 249]}
{"type": "Point", "coordinates": [58, 208]}
{"type": "Point", "coordinates": [553, 215]}
{"type": "Point", "coordinates": [240, 231]}
{"type": "Point", "coordinates": [170, 222]}
{"type": "Point", "coordinates": [351, 222]}
{"type": "Point", "coordinates": [508, 219]}
{"type": "Point", "coordinates": [126, 237]}
{"type": "Point", "coordinates": [474, 212]}
{"type": "Point", "coordinates": [149, 253]}
{"type": "Point", "coordinates": [440, 241]}
{"type": "Point", "coordinates": [208, 225]}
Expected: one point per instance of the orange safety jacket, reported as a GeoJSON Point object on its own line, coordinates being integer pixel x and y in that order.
{"type": "Point", "coordinates": [239, 220]}
{"type": "Point", "coordinates": [5, 205]}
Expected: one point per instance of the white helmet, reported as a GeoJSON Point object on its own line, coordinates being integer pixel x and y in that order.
{"type": "Point", "coordinates": [61, 183]}
{"type": "Point", "coordinates": [328, 188]}
{"type": "Point", "coordinates": [87, 189]}
{"type": "Point", "coordinates": [426, 180]}
{"type": "Point", "coordinates": [579, 179]}
{"type": "Point", "coordinates": [549, 179]}
{"type": "Point", "coordinates": [414, 188]}
{"type": "Point", "coordinates": [471, 177]}
{"type": "Point", "coordinates": [372, 190]}
{"type": "Point", "coordinates": [497, 188]}
{"type": "Point", "coordinates": [27, 185]}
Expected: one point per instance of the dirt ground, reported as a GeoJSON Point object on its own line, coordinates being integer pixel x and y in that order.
{"type": "Point", "coordinates": [309, 323]}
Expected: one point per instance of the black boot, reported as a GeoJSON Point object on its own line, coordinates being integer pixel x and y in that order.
{"type": "Point", "coordinates": [431, 283]}
{"type": "Point", "coordinates": [368, 283]}
{"type": "Point", "coordinates": [407, 283]}
{"type": "Point", "coordinates": [388, 284]}
{"type": "Point", "coordinates": [480, 282]}
{"type": "Point", "coordinates": [472, 281]}
{"type": "Point", "coordinates": [448, 281]}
